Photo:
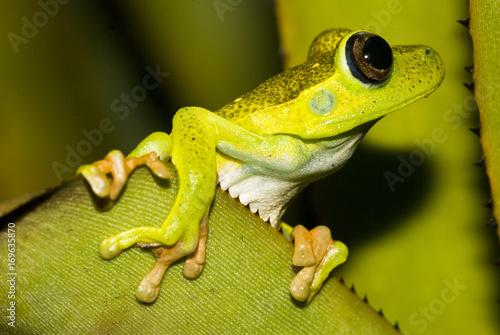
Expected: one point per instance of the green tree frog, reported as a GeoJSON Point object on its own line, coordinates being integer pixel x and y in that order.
{"type": "Point", "coordinates": [266, 146]}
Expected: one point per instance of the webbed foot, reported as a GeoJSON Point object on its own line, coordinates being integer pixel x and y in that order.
{"type": "Point", "coordinates": [149, 288]}
{"type": "Point", "coordinates": [318, 254]}
{"type": "Point", "coordinates": [120, 168]}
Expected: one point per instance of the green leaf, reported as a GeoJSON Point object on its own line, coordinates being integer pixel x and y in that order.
{"type": "Point", "coordinates": [484, 27]}
{"type": "Point", "coordinates": [62, 286]}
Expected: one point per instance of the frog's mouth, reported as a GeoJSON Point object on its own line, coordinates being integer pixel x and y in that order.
{"type": "Point", "coordinates": [353, 136]}
{"type": "Point", "coordinates": [367, 117]}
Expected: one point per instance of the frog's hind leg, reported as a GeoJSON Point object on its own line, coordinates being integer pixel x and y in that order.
{"type": "Point", "coordinates": [318, 254]}
{"type": "Point", "coordinates": [149, 288]}
{"type": "Point", "coordinates": [195, 262]}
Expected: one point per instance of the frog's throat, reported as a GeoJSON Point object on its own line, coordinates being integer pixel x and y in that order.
{"type": "Point", "coordinates": [267, 192]}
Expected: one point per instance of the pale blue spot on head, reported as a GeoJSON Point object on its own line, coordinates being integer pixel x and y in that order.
{"type": "Point", "coordinates": [322, 102]}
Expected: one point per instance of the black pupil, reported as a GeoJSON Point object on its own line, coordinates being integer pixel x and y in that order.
{"type": "Point", "coordinates": [377, 53]}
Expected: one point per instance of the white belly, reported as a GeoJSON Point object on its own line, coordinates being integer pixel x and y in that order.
{"type": "Point", "coordinates": [269, 192]}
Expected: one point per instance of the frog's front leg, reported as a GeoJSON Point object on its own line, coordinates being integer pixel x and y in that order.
{"type": "Point", "coordinates": [149, 152]}
{"type": "Point", "coordinates": [318, 254]}
{"type": "Point", "coordinates": [191, 147]}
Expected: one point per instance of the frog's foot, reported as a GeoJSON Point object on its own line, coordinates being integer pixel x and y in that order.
{"type": "Point", "coordinates": [195, 262]}
{"type": "Point", "coordinates": [120, 168]}
{"type": "Point", "coordinates": [149, 288]}
{"type": "Point", "coordinates": [318, 254]}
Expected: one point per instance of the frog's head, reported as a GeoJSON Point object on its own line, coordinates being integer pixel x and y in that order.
{"type": "Point", "coordinates": [351, 78]}
{"type": "Point", "coordinates": [370, 80]}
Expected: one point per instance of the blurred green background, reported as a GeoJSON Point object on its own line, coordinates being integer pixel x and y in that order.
{"type": "Point", "coordinates": [72, 89]}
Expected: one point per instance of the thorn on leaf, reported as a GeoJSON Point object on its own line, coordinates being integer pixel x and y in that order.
{"type": "Point", "coordinates": [480, 163]}
{"type": "Point", "coordinates": [492, 223]}
{"type": "Point", "coordinates": [476, 130]}
{"type": "Point", "coordinates": [470, 86]}
{"type": "Point", "coordinates": [470, 68]}
{"type": "Point", "coordinates": [465, 22]}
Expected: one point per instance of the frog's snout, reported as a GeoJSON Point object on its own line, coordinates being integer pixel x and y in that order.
{"type": "Point", "coordinates": [426, 53]}
{"type": "Point", "coordinates": [430, 64]}
{"type": "Point", "coordinates": [432, 55]}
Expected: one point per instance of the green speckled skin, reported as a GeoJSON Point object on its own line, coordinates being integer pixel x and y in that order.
{"type": "Point", "coordinates": [267, 145]}
{"type": "Point", "coordinates": [326, 42]}
{"type": "Point", "coordinates": [277, 105]}
{"type": "Point", "coordinates": [285, 87]}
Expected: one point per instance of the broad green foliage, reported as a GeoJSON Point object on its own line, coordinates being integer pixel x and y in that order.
{"type": "Point", "coordinates": [484, 27]}
{"type": "Point", "coordinates": [62, 286]}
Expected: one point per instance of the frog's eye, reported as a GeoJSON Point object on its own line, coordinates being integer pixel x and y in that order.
{"type": "Point", "coordinates": [369, 57]}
